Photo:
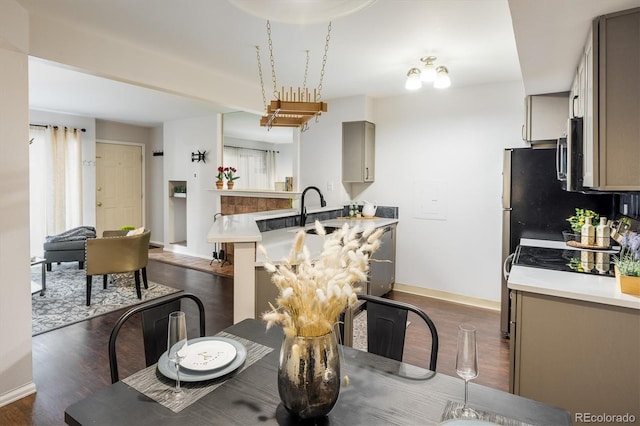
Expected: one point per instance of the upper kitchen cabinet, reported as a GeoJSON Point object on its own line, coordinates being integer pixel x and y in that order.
{"type": "Point", "coordinates": [545, 117]}
{"type": "Point", "coordinates": [609, 102]}
{"type": "Point", "coordinates": [358, 151]}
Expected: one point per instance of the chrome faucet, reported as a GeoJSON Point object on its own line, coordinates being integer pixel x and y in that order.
{"type": "Point", "coordinates": [303, 209]}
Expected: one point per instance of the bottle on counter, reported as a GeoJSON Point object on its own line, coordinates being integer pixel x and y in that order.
{"type": "Point", "coordinates": [603, 233]}
{"type": "Point", "coordinates": [588, 232]}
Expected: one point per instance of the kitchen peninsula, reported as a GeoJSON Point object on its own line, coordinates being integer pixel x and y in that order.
{"type": "Point", "coordinates": [275, 230]}
{"type": "Point", "coordinates": [575, 341]}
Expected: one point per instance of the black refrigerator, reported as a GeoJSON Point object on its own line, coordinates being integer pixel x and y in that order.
{"type": "Point", "coordinates": [534, 205]}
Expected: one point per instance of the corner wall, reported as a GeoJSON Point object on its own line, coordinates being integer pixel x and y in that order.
{"type": "Point", "coordinates": [16, 372]}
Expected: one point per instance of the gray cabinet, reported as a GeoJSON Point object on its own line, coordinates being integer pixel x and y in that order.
{"type": "Point", "coordinates": [577, 355]}
{"type": "Point", "coordinates": [611, 102]}
{"type": "Point", "coordinates": [358, 151]}
{"type": "Point", "coordinates": [545, 117]}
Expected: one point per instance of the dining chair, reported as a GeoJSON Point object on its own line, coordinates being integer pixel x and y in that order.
{"type": "Point", "coordinates": [387, 327]}
{"type": "Point", "coordinates": [114, 254]}
{"type": "Point", "coordinates": [155, 319]}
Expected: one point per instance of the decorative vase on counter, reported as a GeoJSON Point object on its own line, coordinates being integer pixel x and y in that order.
{"type": "Point", "coordinates": [229, 184]}
{"type": "Point", "coordinates": [219, 184]}
{"type": "Point", "coordinates": [309, 375]}
{"type": "Point", "coordinates": [603, 233]}
{"type": "Point", "coordinates": [588, 232]}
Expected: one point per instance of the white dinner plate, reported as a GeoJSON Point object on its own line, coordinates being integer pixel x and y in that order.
{"type": "Point", "coordinates": [208, 355]}
{"type": "Point", "coordinates": [168, 368]}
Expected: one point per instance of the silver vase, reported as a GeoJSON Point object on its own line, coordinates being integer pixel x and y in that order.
{"type": "Point", "coordinates": [309, 375]}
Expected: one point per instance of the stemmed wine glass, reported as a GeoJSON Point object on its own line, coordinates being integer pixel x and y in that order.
{"type": "Point", "coordinates": [177, 343]}
{"type": "Point", "coordinates": [467, 364]}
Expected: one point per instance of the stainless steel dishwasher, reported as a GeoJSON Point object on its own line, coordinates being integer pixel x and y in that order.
{"type": "Point", "coordinates": [382, 274]}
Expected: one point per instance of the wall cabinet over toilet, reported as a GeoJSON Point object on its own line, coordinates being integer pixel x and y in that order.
{"type": "Point", "coordinates": [358, 151]}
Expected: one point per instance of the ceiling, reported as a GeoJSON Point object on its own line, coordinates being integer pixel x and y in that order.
{"type": "Point", "coordinates": [370, 51]}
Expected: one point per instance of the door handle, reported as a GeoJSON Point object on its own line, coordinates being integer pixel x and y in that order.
{"type": "Point", "coordinates": [99, 204]}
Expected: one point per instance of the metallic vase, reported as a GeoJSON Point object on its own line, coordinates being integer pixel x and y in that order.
{"type": "Point", "coordinates": [309, 375]}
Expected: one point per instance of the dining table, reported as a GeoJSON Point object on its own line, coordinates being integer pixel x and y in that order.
{"type": "Point", "coordinates": [380, 391]}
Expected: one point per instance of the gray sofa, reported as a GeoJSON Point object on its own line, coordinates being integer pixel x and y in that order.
{"type": "Point", "coordinates": [68, 246]}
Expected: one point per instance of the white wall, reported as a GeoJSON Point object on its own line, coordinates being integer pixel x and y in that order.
{"type": "Point", "coordinates": [155, 185]}
{"type": "Point", "coordinates": [452, 139]}
{"type": "Point", "coordinates": [16, 373]}
{"type": "Point", "coordinates": [181, 138]}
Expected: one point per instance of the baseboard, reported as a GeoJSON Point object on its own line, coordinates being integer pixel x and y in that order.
{"type": "Point", "coordinates": [17, 394]}
{"type": "Point", "coordinates": [449, 297]}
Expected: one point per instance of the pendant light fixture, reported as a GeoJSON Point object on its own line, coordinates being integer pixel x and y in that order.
{"type": "Point", "coordinates": [292, 108]}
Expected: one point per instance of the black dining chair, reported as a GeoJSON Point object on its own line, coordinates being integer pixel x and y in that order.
{"type": "Point", "coordinates": [155, 320]}
{"type": "Point", "coordinates": [387, 327]}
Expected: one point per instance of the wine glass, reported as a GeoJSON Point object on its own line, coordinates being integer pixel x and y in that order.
{"type": "Point", "coordinates": [467, 364]}
{"type": "Point", "coordinates": [177, 343]}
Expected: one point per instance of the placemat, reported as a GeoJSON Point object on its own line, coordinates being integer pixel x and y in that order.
{"type": "Point", "coordinates": [159, 388]}
{"type": "Point", "coordinates": [487, 416]}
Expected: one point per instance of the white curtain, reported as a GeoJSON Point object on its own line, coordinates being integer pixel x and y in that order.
{"type": "Point", "coordinates": [55, 172]}
{"type": "Point", "coordinates": [255, 167]}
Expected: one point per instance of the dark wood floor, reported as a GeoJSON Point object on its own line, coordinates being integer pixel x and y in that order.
{"type": "Point", "coordinates": [71, 363]}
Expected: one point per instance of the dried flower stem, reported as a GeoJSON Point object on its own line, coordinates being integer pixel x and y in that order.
{"type": "Point", "coordinates": [313, 293]}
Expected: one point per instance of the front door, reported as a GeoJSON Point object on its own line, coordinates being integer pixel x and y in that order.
{"type": "Point", "coordinates": [118, 186]}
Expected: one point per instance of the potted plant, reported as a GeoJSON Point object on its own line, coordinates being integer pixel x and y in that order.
{"type": "Point", "coordinates": [627, 265]}
{"type": "Point", "coordinates": [219, 177]}
{"type": "Point", "coordinates": [229, 174]}
{"type": "Point", "coordinates": [576, 221]}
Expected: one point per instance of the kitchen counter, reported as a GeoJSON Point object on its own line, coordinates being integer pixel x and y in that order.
{"type": "Point", "coordinates": [243, 232]}
{"type": "Point", "coordinates": [570, 285]}
{"type": "Point", "coordinates": [278, 243]}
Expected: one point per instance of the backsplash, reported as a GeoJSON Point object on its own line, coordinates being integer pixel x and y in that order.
{"type": "Point", "coordinates": [630, 205]}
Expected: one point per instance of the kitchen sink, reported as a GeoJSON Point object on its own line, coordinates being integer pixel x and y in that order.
{"type": "Point", "coordinates": [328, 229]}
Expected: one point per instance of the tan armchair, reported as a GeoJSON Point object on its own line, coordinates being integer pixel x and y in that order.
{"type": "Point", "coordinates": [117, 253]}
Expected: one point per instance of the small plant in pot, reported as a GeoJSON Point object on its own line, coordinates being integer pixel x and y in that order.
{"type": "Point", "coordinates": [627, 264]}
{"type": "Point", "coordinates": [576, 221]}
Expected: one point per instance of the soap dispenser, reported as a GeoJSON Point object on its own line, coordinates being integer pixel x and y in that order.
{"type": "Point", "coordinates": [603, 233]}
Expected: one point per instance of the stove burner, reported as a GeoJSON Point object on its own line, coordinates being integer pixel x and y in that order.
{"type": "Point", "coordinates": [564, 260]}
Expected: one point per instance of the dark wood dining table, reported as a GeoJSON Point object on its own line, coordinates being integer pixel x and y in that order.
{"type": "Point", "coordinates": [381, 392]}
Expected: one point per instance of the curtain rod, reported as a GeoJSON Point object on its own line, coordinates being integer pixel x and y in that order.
{"type": "Point", "coordinates": [252, 149]}
{"type": "Point", "coordinates": [55, 127]}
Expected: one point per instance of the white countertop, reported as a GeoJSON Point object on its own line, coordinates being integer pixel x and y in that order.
{"type": "Point", "coordinates": [570, 285]}
{"type": "Point", "coordinates": [278, 243]}
{"type": "Point", "coordinates": [240, 228]}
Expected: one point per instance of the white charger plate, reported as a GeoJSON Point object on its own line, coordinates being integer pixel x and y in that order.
{"type": "Point", "coordinates": [168, 368]}
{"type": "Point", "coordinates": [208, 355]}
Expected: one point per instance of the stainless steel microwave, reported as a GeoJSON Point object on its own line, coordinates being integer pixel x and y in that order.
{"type": "Point", "coordinates": [569, 153]}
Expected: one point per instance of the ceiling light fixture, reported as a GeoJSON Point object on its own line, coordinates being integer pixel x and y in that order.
{"type": "Point", "coordinates": [413, 79]}
{"type": "Point", "coordinates": [429, 73]}
{"type": "Point", "coordinates": [292, 108]}
{"type": "Point", "coordinates": [442, 78]}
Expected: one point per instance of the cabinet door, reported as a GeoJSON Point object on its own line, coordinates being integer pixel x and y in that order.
{"type": "Point", "coordinates": [358, 151]}
{"type": "Point", "coordinates": [619, 101]}
{"type": "Point", "coordinates": [589, 165]}
{"type": "Point", "coordinates": [546, 116]}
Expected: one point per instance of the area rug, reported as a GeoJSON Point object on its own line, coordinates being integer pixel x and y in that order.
{"type": "Point", "coordinates": [64, 301]}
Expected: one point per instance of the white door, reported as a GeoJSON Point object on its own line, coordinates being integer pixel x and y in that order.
{"type": "Point", "coordinates": [118, 186]}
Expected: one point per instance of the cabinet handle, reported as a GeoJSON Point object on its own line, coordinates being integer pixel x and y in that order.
{"type": "Point", "coordinates": [522, 134]}
{"type": "Point", "coordinates": [366, 173]}
{"type": "Point", "coordinates": [573, 106]}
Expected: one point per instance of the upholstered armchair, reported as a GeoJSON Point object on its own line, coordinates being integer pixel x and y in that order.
{"type": "Point", "coordinates": [117, 253]}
